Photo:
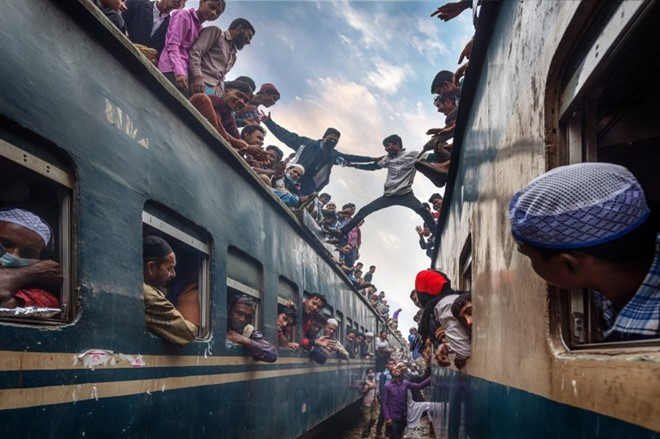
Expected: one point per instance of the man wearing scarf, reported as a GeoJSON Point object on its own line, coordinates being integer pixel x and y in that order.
{"type": "Point", "coordinates": [23, 237]}
{"type": "Point", "coordinates": [162, 318]}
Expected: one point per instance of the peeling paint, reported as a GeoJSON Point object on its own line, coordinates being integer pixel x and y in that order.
{"type": "Point", "coordinates": [95, 394]}
{"type": "Point", "coordinates": [93, 358]}
{"type": "Point", "coordinates": [574, 384]}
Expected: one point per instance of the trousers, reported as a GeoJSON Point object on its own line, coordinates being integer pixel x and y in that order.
{"type": "Point", "coordinates": [406, 200]}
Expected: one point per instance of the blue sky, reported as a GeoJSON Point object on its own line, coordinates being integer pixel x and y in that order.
{"type": "Point", "coordinates": [364, 68]}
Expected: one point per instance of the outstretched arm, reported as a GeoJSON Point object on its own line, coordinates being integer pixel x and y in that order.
{"type": "Point", "coordinates": [373, 166]}
{"type": "Point", "coordinates": [292, 140]}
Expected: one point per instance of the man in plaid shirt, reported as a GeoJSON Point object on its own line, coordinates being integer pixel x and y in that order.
{"type": "Point", "coordinates": [588, 225]}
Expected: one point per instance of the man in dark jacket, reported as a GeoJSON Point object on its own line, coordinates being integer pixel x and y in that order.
{"type": "Point", "coordinates": [317, 156]}
{"type": "Point", "coordinates": [147, 21]}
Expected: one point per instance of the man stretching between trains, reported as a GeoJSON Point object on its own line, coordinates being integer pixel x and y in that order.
{"type": "Point", "coordinates": [454, 315]}
{"type": "Point", "coordinates": [240, 331]}
{"type": "Point", "coordinates": [588, 225]}
{"type": "Point", "coordinates": [317, 156]}
{"type": "Point", "coordinates": [23, 237]}
{"type": "Point", "coordinates": [394, 400]}
{"type": "Point", "coordinates": [162, 318]}
{"type": "Point", "coordinates": [401, 171]}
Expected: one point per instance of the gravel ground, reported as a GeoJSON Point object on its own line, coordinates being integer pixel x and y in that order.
{"type": "Point", "coordinates": [346, 425]}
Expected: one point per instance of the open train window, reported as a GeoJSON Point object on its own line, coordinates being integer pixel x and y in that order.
{"type": "Point", "coordinates": [341, 332]}
{"type": "Point", "coordinates": [189, 291]}
{"type": "Point", "coordinates": [349, 325]}
{"type": "Point", "coordinates": [244, 276]}
{"type": "Point", "coordinates": [287, 292]}
{"type": "Point", "coordinates": [36, 195]}
{"type": "Point", "coordinates": [465, 265]}
{"type": "Point", "coordinates": [607, 112]}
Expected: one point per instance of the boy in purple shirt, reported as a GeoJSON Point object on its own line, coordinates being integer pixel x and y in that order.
{"type": "Point", "coordinates": [182, 32]}
{"type": "Point", "coordinates": [394, 400]}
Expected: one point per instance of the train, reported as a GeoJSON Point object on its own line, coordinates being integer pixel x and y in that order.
{"type": "Point", "coordinates": [549, 84]}
{"type": "Point", "coordinates": [96, 141]}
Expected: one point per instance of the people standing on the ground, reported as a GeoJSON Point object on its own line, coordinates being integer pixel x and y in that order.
{"type": "Point", "coordinates": [369, 403]}
{"type": "Point", "coordinates": [394, 400]}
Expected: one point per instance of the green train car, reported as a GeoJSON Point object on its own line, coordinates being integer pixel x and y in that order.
{"type": "Point", "coordinates": [549, 83]}
{"type": "Point", "coordinates": [97, 142]}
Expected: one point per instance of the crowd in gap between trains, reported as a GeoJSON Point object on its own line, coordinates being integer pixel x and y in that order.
{"type": "Point", "coordinates": [197, 60]}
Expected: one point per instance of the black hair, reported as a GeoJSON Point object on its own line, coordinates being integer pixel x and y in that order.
{"type": "Point", "coordinates": [326, 195]}
{"type": "Point", "coordinates": [368, 369]}
{"type": "Point", "coordinates": [360, 334]}
{"type": "Point", "coordinates": [242, 299]}
{"type": "Point", "coordinates": [241, 85]}
{"type": "Point", "coordinates": [359, 263]}
{"type": "Point", "coordinates": [332, 131]}
{"type": "Point", "coordinates": [442, 77]}
{"type": "Point", "coordinates": [435, 196]}
{"type": "Point", "coordinates": [634, 248]}
{"type": "Point", "coordinates": [382, 330]}
{"type": "Point", "coordinates": [289, 312]}
{"type": "Point", "coordinates": [320, 318]}
{"type": "Point", "coordinates": [247, 80]}
{"type": "Point", "coordinates": [394, 138]}
{"type": "Point", "coordinates": [319, 296]}
{"type": "Point", "coordinates": [351, 331]}
{"type": "Point", "coordinates": [249, 129]}
{"type": "Point", "coordinates": [242, 22]}
{"type": "Point", "coordinates": [459, 303]}
{"type": "Point", "coordinates": [278, 152]}
{"type": "Point", "coordinates": [426, 205]}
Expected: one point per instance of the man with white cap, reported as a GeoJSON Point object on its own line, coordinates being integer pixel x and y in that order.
{"type": "Point", "coordinates": [588, 225]}
{"type": "Point", "coordinates": [287, 188]}
{"type": "Point", "coordinates": [334, 350]}
{"type": "Point", "coordinates": [23, 237]}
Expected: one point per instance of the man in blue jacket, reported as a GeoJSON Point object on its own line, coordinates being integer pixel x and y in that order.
{"type": "Point", "coordinates": [317, 156]}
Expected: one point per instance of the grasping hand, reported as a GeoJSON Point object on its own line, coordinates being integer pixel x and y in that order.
{"type": "Point", "coordinates": [265, 116]}
{"type": "Point", "coordinates": [181, 81]}
{"type": "Point", "coordinates": [451, 10]}
{"type": "Point", "coordinates": [467, 51]}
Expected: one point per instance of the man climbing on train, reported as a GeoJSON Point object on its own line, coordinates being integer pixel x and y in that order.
{"type": "Point", "coordinates": [240, 331]}
{"type": "Point", "coordinates": [317, 156]}
{"type": "Point", "coordinates": [162, 318]}
{"type": "Point", "coordinates": [588, 225]}
{"type": "Point", "coordinates": [400, 165]}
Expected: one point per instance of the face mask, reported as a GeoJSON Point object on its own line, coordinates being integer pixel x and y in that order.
{"type": "Point", "coordinates": [10, 261]}
{"type": "Point", "coordinates": [329, 143]}
{"type": "Point", "coordinates": [370, 376]}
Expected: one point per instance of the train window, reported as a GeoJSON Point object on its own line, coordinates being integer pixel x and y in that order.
{"type": "Point", "coordinates": [244, 276]}
{"type": "Point", "coordinates": [465, 266]}
{"type": "Point", "coordinates": [287, 292]}
{"type": "Point", "coordinates": [189, 291]}
{"type": "Point", "coordinates": [608, 112]}
{"type": "Point", "coordinates": [327, 312]}
{"type": "Point", "coordinates": [36, 193]}
{"type": "Point", "coordinates": [349, 324]}
{"type": "Point", "coordinates": [341, 333]}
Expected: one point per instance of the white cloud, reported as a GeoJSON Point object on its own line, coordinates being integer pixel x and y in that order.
{"type": "Point", "coordinates": [388, 77]}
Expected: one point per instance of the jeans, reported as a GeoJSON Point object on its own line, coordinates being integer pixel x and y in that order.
{"type": "Point", "coordinates": [381, 421]}
{"type": "Point", "coordinates": [406, 200]}
{"type": "Point", "coordinates": [211, 90]}
{"type": "Point", "coordinates": [397, 429]}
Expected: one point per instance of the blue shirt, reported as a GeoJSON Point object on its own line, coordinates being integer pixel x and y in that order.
{"type": "Point", "coordinates": [640, 318]}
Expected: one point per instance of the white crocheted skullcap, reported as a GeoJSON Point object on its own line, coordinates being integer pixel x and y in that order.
{"type": "Point", "coordinates": [28, 220]}
{"type": "Point", "coordinates": [577, 206]}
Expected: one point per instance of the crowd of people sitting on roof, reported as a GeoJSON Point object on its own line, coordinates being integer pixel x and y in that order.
{"type": "Point", "coordinates": [197, 60]}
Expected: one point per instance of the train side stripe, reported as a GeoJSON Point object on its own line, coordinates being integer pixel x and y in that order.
{"type": "Point", "coordinates": [21, 361]}
{"type": "Point", "coordinates": [49, 395]}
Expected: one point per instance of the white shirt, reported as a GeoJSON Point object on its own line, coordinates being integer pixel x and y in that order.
{"type": "Point", "coordinates": [458, 337]}
{"type": "Point", "coordinates": [158, 19]}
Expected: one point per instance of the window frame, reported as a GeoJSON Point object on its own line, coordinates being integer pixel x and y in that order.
{"type": "Point", "coordinates": [204, 269]}
{"type": "Point", "coordinates": [577, 126]}
{"type": "Point", "coordinates": [69, 293]}
{"type": "Point", "coordinates": [282, 301]}
{"type": "Point", "coordinates": [236, 285]}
